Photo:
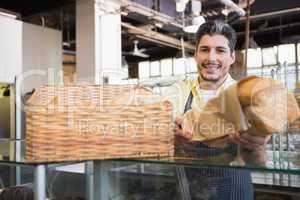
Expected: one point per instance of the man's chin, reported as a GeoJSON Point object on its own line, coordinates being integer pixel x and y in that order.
{"type": "Point", "coordinates": [210, 78]}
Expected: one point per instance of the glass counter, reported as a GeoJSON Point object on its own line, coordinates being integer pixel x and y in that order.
{"type": "Point", "coordinates": [110, 179]}
{"type": "Point", "coordinates": [276, 158]}
{"type": "Point", "coordinates": [277, 162]}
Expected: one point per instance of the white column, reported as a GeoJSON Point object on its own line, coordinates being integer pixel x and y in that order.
{"type": "Point", "coordinates": [98, 36]}
{"type": "Point", "coordinates": [40, 182]}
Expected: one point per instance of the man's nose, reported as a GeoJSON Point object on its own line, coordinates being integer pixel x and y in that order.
{"type": "Point", "coordinates": [212, 56]}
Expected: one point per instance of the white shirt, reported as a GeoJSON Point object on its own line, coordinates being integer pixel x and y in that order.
{"type": "Point", "coordinates": [178, 94]}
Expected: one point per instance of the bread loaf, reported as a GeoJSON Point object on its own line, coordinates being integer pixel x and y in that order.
{"type": "Point", "coordinates": [209, 124]}
{"type": "Point", "coordinates": [248, 86]}
{"type": "Point", "coordinates": [260, 105]}
{"type": "Point", "coordinates": [267, 105]}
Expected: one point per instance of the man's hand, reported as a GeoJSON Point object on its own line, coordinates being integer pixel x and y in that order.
{"type": "Point", "coordinates": [179, 131]}
{"type": "Point", "coordinates": [167, 106]}
{"type": "Point", "coordinates": [183, 144]}
{"type": "Point", "coordinates": [249, 141]}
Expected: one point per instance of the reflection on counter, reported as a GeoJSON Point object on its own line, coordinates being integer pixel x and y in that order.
{"type": "Point", "coordinates": [8, 150]}
{"type": "Point", "coordinates": [276, 161]}
{"type": "Point", "coordinates": [5, 110]}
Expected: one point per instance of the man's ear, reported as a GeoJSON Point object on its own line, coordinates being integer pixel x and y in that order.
{"type": "Point", "coordinates": [232, 55]}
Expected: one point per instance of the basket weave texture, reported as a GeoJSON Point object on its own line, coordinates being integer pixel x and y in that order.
{"type": "Point", "coordinates": [71, 123]}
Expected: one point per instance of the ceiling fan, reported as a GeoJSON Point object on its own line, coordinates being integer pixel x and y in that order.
{"type": "Point", "coordinates": [136, 51]}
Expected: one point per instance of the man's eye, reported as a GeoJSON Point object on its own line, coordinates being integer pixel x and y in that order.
{"type": "Point", "coordinates": [221, 50]}
{"type": "Point", "coordinates": [203, 50]}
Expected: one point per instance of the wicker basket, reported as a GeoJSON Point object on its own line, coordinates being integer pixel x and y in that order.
{"type": "Point", "coordinates": [71, 123]}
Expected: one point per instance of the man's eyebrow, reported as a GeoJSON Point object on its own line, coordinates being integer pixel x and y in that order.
{"type": "Point", "coordinates": [203, 46]}
{"type": "Point", "coordinates": [218, 47]}
{"type": "Point", "coordinates": [223, 48]}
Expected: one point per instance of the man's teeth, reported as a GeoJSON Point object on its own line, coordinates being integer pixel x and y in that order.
{"type": "Point", "coordinates": [212, 66]}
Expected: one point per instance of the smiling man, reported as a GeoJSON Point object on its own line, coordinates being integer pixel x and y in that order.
{"type": "Point", "coordinates": [213, 57]}
{"type": "Point", "coordinates": [215, 43]}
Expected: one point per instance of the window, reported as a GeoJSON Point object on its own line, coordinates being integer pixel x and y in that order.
{"type": "Point", "coordinates": [288, 76]}
{"type": "Point", "coordinates": [269, 56]}
{"type": "Point", "coordinates": [179, 66]}
{"type": "Point", "coordinates": [291, 81]}
{"type": "Point", "coordinates": [286, 53]}
{"type": "Point", "coordinates": [298, 52]}
{"type": "Point", "coordinates": [254, 58]}
{"type": "Point", "coordinates": [155, 68]}
{"type": "Point", "coordinates": [144, 70]}
{"type": "Point", "coordinates": [268, 72]}
{"type": "Point", "coordinates": [191, 65]}
{"type": "Point", "coordinates": [254, 71]}
{"type": "Point", "coordinates": [166, 67]}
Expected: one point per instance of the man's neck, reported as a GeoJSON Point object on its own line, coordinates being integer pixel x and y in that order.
{"type": "Point", "coordinates": [210, 85]}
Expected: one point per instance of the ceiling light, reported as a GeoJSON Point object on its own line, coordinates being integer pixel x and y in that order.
{"type": "Point", "coordinates": [158, 24]}
{"type": "Point", "coordinates": [225, 11]}
{"type": "Point", "coordinates": [8, 15]}
{"type": "Point", "coordinates": [196, 23]}
{"type": "Point", "coordinates": [234, 6]}
{"type": "Point", "coordinates": [197, 19]}
{"type": "Point", "coordinates": [124, 13]}
{"type": "Point", "coordinates": [180, 5]}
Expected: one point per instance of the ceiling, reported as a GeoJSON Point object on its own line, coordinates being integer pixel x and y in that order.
{"type": "Point", "coordinates": [158, 27]}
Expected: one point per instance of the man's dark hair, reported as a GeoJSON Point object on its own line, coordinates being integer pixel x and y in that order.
{"type": "Point", "coordinates": [217, 27]}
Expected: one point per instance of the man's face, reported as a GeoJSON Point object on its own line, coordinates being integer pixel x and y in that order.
{"type": "Point", "coordinates": [213, 57]}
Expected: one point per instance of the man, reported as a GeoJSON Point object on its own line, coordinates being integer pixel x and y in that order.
{"type": "Point", "coordinates": [215, 43]}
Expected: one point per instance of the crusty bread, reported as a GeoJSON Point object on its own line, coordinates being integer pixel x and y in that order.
{"type": "Point", "coordinates": [248, 86]}
{"type": "Point", "coordinates": [268, 110]}
{"type": "Point", "coordinates": [267, 105]}
{"type": "Point", "coordinates": [206, 126]}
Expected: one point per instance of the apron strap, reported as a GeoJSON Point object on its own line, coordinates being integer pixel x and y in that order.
{"type": "Point", "coordinates": [181, 175]}
{"type": "Point", "coordinates": [188, 104]}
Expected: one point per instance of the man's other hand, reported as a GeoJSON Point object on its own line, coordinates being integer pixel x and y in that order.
{"type": "Point", "coordinates": [249, 141]}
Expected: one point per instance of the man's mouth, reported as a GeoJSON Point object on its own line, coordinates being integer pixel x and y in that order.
{"type": "Point", "coordinates": [211, 66]}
